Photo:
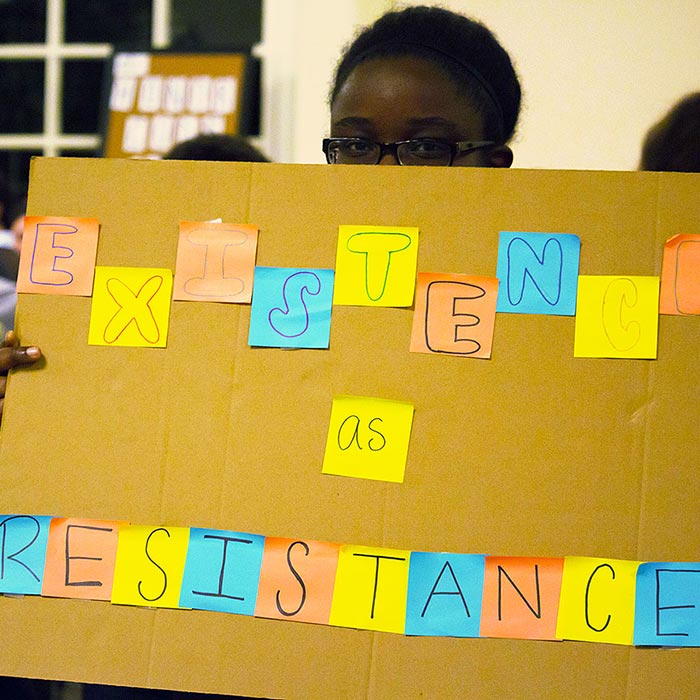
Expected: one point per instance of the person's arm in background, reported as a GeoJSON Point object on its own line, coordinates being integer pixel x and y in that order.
{"type": "Point", "coordinates": [13, 355]}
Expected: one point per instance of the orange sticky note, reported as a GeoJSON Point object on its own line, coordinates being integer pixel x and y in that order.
{"type": "Point", "coordinates": [597, 600]}
{"type": "Point", "coordinates": [617, 317]}
{"type": "Point", "coordinates": [131, 307]}
{"type": "Point", "coordinates": [215, 262]}
{"type": "Point", "coordinates": [149, 566]}
{"type": "Point", "coordinates": [371, 587]}
{"type": "Point", "coordinates": [58, 255]}
{"type": "Point", "coordinates": [454, 314]}
{"type": "Point", "coordinates": [297, 579]}
{"type": "Point", "coordinates": [80, 558]}
{"type": "Point", "coordinates": [521, 597]}
{"type": "Point", "coordinates": [680, 276]}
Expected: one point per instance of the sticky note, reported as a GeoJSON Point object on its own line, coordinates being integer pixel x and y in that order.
{"type": "Point", "coordinates": [538, 273]}
{"type": "Point", "coordinates": [130, 307]}
{"type": "Point", "coordinates": [24, 539]}
{"type": "Point", "coordinates": [667, 611]}
{"type": "Point", "coordinates": [80, 558]}
{"type": "Point", "coordinates": [376, 265]}
{"type": "Point", "coordinates": [215, 262]}
{"type": "Point", "coordinates": [521, 597]}
{"type": "Point", "coordinates": [680, 276]}
{"type": "Point", "coordinates": [149, 565]}
{"type": "Point", "coordinates": [291, 308]}
{"type": "Point", "coordinates": [58, 255]}
{"type": "Point", "coordinates": [454, 314]}
{"type": "Point", "coordinates": [368, 438]}
{"type": "Point", "coordinates": [444, 594]}
{"type": "Point", "coordinates": [222, 571]}
{"type": "Point", "coordinates": [617, 317]}
{"type": "Point", "coordinates": [297, 578]}
{"type": "Point", "coordinates": [370, 589]}
{"type": "Point", "coordinates": [597, 600]}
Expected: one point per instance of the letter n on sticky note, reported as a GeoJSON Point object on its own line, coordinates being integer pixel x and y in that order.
{"type": "Point", "coordinates": [368, 438]}
{"type": "Point", "coordinates": [80, 558]}
{"type": "Point", "coordinates": [521, 597]}
{"type": "Point", "coordinates": [617, 317]}
{"type": "Point", "coordinates": [375, 265]}
{"type": "Point", "coordinates": [215, 262]}
{"type": "Point", "coordinates": [58, 255]}
{"type": "Point", "coordinates": [149, 566]}
{"type": "Point", "coordinates": [370, 589]}
{"type": "Point", "coordinates": [680, 276]}
{"type": "Point", "coordinates": [454, 314]}
{"type": "Point", "coordinates": [130, 307]}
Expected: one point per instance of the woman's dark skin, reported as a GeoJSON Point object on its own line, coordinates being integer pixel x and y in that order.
{"type": "Point", "coordinates": [405, 97]}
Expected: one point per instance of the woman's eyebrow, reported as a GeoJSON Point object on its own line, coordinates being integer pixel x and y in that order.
{"type": "Point", "coordinates": [419, 122]}
{"type": "Point", "coordinates": [357, 122]}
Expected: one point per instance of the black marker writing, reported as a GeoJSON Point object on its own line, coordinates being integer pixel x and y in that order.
{"type": "Point", "coordinates": [290, 613]}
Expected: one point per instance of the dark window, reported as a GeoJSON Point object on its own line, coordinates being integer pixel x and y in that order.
{"type": "Point", "coordinates": [23, 97]}
{"type": "Point", "coordinates": [22, 21]}
{"type": "Point", "coordinates": [81, 78]}
{"type": "Point", "coordinates": [126, 23]}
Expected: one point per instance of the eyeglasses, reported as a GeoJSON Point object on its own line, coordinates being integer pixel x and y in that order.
{"type": "Point", "coordinates": [361, 151]}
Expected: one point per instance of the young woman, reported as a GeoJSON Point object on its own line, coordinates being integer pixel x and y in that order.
{"type": "Point", "coordinates": [420, 86]}
{"type": "Point", "coordinates": [424, 86]}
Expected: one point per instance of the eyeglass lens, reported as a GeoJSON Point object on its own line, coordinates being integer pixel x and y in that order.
{"type": "Point", "coordinates": [365, 152]}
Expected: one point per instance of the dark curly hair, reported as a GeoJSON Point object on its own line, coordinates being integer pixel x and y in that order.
{"type": "Point", "coordinates": [464, 48]}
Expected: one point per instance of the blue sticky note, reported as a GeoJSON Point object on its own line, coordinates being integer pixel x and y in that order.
{"type": "Point", "coordinates": [444, 594]}
{"type": "Point", "coordinates": [667, 604]}
{"type": "Point", "coordinates": [24, 539]}
{"type": "Point", "coordinates": [222, 571]}
{"type": "Point", "coordinates": [291, 308]}
{"type": "Point", "coordinates": [538, 273]}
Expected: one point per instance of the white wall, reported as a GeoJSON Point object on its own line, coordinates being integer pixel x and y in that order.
{"type": "Point", "coordinates": [596, 74]}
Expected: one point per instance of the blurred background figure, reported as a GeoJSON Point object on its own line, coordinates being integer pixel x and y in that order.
{"type": "Point", "coordinates": [216, 147]}
{"type": "Point", "coordinates": [9, 258]}
{"type": "Point", "coordinates": [673, 144]}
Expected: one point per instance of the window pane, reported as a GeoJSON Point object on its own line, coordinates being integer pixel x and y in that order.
{"type": "Point", "coordinates": [126, 23]}
{"type": "Point", "coordinates": [200, 25]}
{"type": "Point", "coordinates": [14, 165]}
{"type": "Point", "coordinates": [22, 21]}
{"type": "Point", "coordinates": [82, 82]}
{"type": "Point", "coordinates": [23, 88]}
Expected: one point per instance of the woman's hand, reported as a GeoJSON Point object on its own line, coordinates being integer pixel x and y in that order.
{"type": "Point", "coordinates": [11, 356]}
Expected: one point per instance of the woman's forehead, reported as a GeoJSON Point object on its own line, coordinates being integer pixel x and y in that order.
{"type": "Point", "coordinates": [407, 90]}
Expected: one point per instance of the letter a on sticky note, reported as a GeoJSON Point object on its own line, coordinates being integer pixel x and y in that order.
{"type": "Point", "coordinates": [371, 586]}
{"type": "Point", "coordinates": [130, 307]}
{"type": "Point", "coordinates": [368, 438]}
{"type": "Point", "coordinates": [58, 255]}
{"type": "Point", "coordinates": [617, 317]}
{"type": "Point", "coordinates": [375, 266]}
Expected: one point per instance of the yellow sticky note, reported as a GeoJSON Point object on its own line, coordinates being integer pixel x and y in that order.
{"type": "Point", "coordinates": [130, 307]}
{"type": "Point", "coordinates": [368, 438]}
{"type": "Point", "coordinates": [597, 600]}
{"type": "Point", "coordinates": [617, 317]}
{"type": "Point", "coordinates": [375, 265]}
{"type": "Point", "coordinates": [149, 567]}
{"type": "Point", "coordinates": [371, 584]}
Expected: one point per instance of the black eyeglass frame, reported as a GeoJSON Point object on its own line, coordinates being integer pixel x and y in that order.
{"type": "Point", "coordinates": [456, 147]}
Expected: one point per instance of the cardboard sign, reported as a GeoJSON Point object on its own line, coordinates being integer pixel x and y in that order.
{"type": "Point", "coordinates": [532, 453]}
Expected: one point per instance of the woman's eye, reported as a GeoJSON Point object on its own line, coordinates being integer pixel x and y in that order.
{"type": "Point", "coordinates": [358, 147]}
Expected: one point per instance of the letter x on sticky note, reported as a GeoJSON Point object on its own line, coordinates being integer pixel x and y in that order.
{"type": "Point", "coordinates": [368, 438]}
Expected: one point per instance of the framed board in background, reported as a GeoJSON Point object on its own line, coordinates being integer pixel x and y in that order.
{"type": "Point", "coordinates": [155, 100]}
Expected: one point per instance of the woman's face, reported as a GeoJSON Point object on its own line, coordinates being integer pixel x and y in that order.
{"type": "Point", "coordinates": [404, 97]}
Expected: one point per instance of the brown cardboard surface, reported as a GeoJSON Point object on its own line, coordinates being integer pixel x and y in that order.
{"type": "Point", "coordinates": [533, 452]}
